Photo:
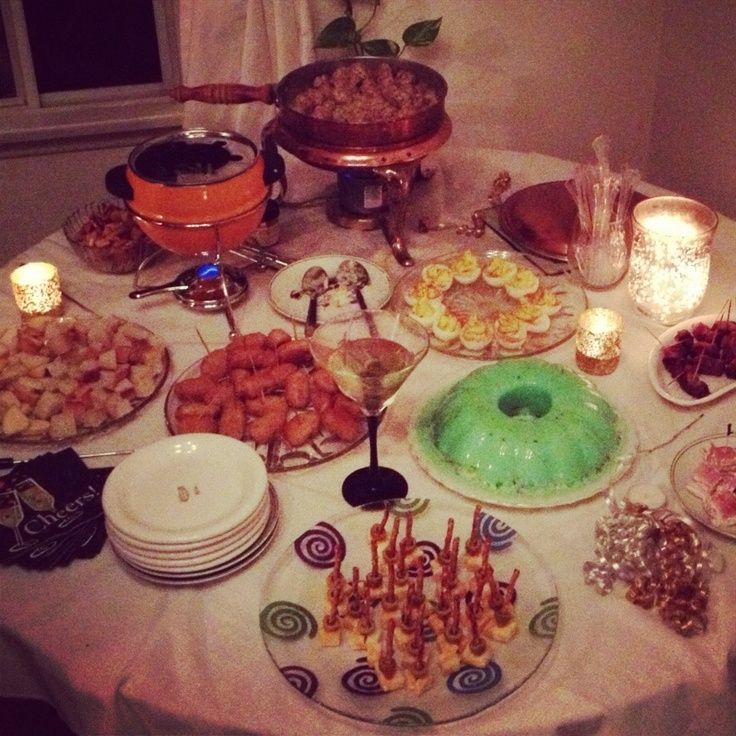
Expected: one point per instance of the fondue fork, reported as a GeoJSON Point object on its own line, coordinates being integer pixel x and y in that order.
{"type": "Point", "coordinates": [259, 257]}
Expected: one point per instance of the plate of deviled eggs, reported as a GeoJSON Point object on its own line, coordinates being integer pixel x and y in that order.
{"type": "Point", "coordinates": [489, 304]}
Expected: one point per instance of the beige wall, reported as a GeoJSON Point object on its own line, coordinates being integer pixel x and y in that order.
{"type": "Point", "coordinates": [539, 75]}
{"type": "Point", "coordinates": [544, 75]}
{"type": "Point", "coordinates": [693, 136]}
{"type": "Point", "coordinates": [37, 193]}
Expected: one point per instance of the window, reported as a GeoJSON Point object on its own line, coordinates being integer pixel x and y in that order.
{"type": "Point", "coordinates": [71, 70]}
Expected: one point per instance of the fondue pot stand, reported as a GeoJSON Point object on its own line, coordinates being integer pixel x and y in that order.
{"type": "Point", "coordinates": [195, 191]}
{"type": "Point", "coordinates": [373, 184]}
{"type": "Point", "coordinates": [375, 162]}
{"type": "Point", "coordinates": [205, 288]}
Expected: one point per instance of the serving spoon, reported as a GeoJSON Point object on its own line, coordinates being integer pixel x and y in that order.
{"type": "Point", "coordinates": [353, 275]}
{"type": "Point", "coordinates": [315, 282]}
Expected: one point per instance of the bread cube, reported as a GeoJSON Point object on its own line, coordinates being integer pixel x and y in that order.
{"type": "Point", "coordinates": [14, 421]}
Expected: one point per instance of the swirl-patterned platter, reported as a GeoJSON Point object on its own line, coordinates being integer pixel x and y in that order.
{"type": "Point", "coordinates": [340, 678]}
{"type": "Point", "coordinates": [473, 300]}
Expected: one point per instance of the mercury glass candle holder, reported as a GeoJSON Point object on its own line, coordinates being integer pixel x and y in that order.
{"type": "Point", "coordinates": [598, 341]}
{"type": "Point", "coordinates": [37, 289]}
{"type": "Point", "coordinates": [670, 256]}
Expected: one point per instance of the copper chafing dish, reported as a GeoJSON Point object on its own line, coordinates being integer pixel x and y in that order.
{"type": "Point", "coordinates": [328, 132]}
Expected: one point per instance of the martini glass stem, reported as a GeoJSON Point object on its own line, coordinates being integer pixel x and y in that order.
{"type": "Point", "coordinates": [372, 421]}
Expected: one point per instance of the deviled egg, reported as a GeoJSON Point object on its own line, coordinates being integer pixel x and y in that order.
{"type": "Point", "coordinates": [427, 311]}
{"type": "Point", "coordinates": [546, 299]}
{"type": "Point", "coordinates": [510, 332]}
{"type": "Point", "coordinates": [422, 291]}
{"type": "Point", "coordinates": [523, 282]}
{"type": "Point", "coordinates": [476, 334]}
{"type": "Point", "coordinates": [533, 316]}
{"type": "Point", "coordinates": [438, 275]}
{"type": "Point", "coordinates": [465, 267]}
{"type": "Point", "coordinates": [498, 271]}
{"type": "Point", "coordinates": [446, 327]}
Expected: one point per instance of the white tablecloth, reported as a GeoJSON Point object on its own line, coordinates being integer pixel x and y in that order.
{"type": "Point", "coordinates": [117, 655]}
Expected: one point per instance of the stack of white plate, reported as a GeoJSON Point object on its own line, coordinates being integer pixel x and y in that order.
{"type": "Point", "coordinates": [190, 509]}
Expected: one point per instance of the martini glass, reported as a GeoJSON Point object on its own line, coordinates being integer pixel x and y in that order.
{"type": "Point", "coordinates": [370, 354]}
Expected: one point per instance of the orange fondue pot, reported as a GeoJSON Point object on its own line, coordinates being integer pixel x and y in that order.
{"type": "Point", "coordinates": [192, 190]}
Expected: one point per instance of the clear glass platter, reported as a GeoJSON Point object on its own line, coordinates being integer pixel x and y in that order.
{"type": "Point", "coordinates": [682, 469]}
{"type": "Point", "coordinates": [91, 375]}
{"type": "Point", "coordinates": [278, 455]}
{"type": "Point", "coordinates": [488, 302]}
{"type": "Point", "coordinates": [340, 679]}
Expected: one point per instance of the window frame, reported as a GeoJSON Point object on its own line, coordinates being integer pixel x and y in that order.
{"type": "Point", "coordinates": [60, 121]}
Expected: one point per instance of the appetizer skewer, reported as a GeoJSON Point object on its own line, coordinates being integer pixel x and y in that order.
{"type": "Point", "coordinates": [389, 612]}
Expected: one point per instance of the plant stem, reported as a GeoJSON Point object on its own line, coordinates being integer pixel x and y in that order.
{"type": "Point", "coordinates": [369, 21]}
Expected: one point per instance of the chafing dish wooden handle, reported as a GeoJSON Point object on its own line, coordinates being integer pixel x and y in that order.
{"type": "Point", "coordinates": [225, 94]}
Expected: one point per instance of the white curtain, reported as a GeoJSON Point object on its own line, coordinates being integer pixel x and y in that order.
{"type": "Point", "coordinates": [250, 42]}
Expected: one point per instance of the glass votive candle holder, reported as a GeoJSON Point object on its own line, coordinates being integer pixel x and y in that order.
{"type": "Point", "coordinates": [598, 341]}
{"type": "Point", "coordinates": [670, 256]}
{"type": "Point", "coordinates": [37, 289]}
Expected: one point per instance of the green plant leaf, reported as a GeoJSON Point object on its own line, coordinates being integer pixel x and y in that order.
{"type": "Point", "coordinates": [380, 47]}
{"type": "Point", "coordinates": [337, 34]}
{"type": "Point", "coordinates": [422, 33]}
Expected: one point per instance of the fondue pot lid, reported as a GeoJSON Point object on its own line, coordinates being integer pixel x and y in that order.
{"type": "Point", "coordinates": [192, 157]}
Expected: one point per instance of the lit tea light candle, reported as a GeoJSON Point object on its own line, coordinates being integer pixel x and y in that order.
{"type": "Point", "coordinates": [37, 289]}
{"type": "Point", "coordinates": [670, 256]}
{"type": "Point", "coordinates": [598, 341]}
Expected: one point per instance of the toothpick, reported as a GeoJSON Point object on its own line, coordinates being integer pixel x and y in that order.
{"type": "Point", "coordinates": [201, 339]}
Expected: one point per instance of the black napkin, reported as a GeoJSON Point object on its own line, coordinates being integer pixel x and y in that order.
{"type": "Point", "coordinates": [51, 511]}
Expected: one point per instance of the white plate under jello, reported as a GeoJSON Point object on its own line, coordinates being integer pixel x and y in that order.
{"type": "Point", "coordinates": [513, 493]}
{"type": "Point", "coordinates": [667, 386]}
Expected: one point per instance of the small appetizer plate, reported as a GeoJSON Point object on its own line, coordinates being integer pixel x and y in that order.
{"type": "Point", "coordinates": [701, 481]}
{"type": "Point", "coordinates": [336, 302]}
{"type": "Point", "coordinates": [667, 386]}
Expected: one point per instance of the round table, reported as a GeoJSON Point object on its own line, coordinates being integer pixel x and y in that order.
{"type": "Point", "coordinates": [117, 655]}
